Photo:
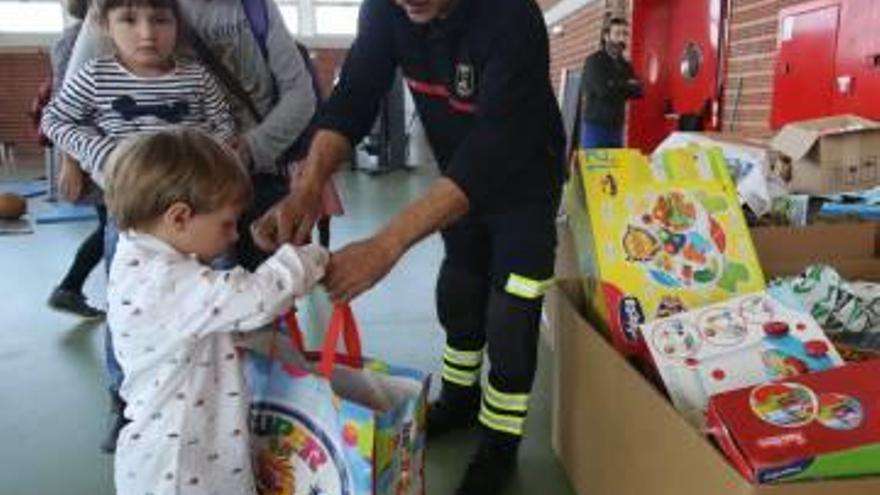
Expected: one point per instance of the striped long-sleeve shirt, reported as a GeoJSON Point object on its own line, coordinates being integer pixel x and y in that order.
{"type": "Point", "coordinates": [105, 103]}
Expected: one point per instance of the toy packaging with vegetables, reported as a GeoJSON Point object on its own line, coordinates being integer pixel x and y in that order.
{"type": "Point", "coordinates": [655, 239]}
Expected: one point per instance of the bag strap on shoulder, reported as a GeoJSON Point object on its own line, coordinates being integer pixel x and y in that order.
{"type": "Point", "coordinates": [227, 78]}
{"type": "Point", "coordinates": [258, 18]}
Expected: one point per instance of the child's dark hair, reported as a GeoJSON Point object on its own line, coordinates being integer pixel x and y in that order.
{"type": "Point", "coordinates": [105, 6]}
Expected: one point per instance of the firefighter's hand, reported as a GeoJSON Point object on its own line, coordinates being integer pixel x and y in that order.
{"type": "Point", "coordinates": [71, 180]}
{"type": "Point", "coordinates": [291, 220]}
{"type": "Point", "coordinates": [359, 266]}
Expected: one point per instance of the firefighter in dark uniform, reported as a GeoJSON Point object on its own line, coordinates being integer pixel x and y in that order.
{"type": "Point", "coordinates": [478, 72]}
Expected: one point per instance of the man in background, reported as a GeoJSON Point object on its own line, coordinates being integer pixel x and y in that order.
{"type": "Point", "coordinates": [608, 82]}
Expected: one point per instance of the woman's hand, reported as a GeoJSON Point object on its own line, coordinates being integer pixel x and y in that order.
{"type": "Point", "coordinates": [71, 179]}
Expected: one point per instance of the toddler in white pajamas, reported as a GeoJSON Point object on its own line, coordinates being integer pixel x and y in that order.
{"type": "Point", "coordinates": [176, 196]}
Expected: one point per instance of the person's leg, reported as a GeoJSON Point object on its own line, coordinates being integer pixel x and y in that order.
{"type": "Point", "coordinates": [111, 237]}
{"type": "Point", "coordinates": [615, 138]}
{"type": "Point", "coordinates": [599, 137]}
{"type": "Point", "coordinates": [462, 291]}
{"type": "Point", "coordinates": [87, 256]}
{"type": "Point", "coordinates": [68, 295]}
{"type": "Point", "coordinates": [114, 372]}
{"type": "Point", "coordinates": [523, 249]}
{"type": "Point", "coordinates": [324, 231]}
{"type": "Point", "coordinates": [591, 136]}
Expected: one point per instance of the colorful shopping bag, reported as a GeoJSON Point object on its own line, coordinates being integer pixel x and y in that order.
{"type": "Point", "coordinates": [336, 423]}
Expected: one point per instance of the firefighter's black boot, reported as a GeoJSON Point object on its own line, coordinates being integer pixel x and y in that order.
{"type": "Point", "coordinates": [456, 409]}
{"type": "Point", "coordinates": [493, 465]}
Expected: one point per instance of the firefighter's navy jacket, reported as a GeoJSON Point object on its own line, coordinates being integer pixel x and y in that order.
{"type": "Point", "coordinates": [480, 80]}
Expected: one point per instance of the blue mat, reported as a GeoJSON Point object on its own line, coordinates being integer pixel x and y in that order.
{"type": "Point", "coordinates": [25, 188]}
{"type": "Point", "coordinates": [66, 212]}
{"type": "Point", "coordinates": [863, 210]}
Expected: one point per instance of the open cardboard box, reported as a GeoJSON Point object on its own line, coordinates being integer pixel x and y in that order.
{"type": "Point", "coordinates": [616, 434]}
{"type": "Point", "coordinates": [829, 155]}
{"type": "Point", "coordinates": [853, 249]}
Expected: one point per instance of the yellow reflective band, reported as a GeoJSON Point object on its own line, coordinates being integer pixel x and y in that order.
{"type": "Point", "coordinates": [468, 359]}
{"type": "Point", "coordinates": [458, 377]}
{"type": "Point", "coordinates": [506, 424]}
{"type": "Point", "coordinates": [506, 402]}
{"type": "Point", "coordinates": [526, 288]}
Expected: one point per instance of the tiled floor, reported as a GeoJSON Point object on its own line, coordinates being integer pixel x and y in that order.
{"type": "Point", "coordinates": [51, 393]}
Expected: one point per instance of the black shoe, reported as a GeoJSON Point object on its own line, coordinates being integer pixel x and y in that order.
{"type": "Point", "coordinates": [115, 423]}
{"type": "Point", "coordinates": [73, 302]}
{"type": "Point", "coordinates": [457, 409]}
{"type": "Point", "coordinates": [491, 469]}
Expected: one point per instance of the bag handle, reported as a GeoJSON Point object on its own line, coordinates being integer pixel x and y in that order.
{"type": "Point", "coordinates": [258, 18]}
{"type": "Point", "coordinates": [341, 323]}
{"type": "Point", "coordinates": [294, 334]}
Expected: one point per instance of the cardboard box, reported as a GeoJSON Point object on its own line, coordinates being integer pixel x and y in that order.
{"type": "Point", "coordinates": [615, 434]}
{"type": "Point", "coordinates": [853, 249]}
{"type": "Point", "coordinates": [565, 267]}
{"type": "Point", "coordinates": [829, 155]}
{"type": "Point", "coordinates": [658, 238]}
{"type": "Point", "coordinates": [735, 344]}
{"type": "Point", "coordinates": [817, 426]}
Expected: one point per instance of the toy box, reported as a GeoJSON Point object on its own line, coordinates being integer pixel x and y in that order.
{"type": "Point", "coordinates": [656, 239]}
{"type": "Point", "coordinates": [739, 343]}
{"type": "Point", "coordinates": [824, 425]}
{"type": "Point", "coordinates": [616, 434]}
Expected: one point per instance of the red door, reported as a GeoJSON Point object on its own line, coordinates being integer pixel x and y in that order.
{"type": "Point", "coordinates": [676, 48]}
{"type": "Point", "coordinates": [804, 80]}
{"type": "Point", "coordinates": [857, 78]}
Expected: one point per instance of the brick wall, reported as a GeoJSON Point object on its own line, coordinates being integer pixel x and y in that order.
{"type": "Point", "coordinates": [752, 51]}
{"type": "Point", "coordinates": [573, 39]}
{"type": "Point", "coordinates": [22, 73]}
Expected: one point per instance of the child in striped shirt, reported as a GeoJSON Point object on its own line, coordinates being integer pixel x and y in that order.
{"type": "Point", "coordinates": [142, 87]}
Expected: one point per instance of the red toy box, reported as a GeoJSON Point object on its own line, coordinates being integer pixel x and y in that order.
{"type": "Point", "coordinates": [822, 425]}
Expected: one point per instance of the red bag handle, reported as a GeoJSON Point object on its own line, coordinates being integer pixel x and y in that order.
{"type": "Point", "coordinates": [294, 331]}
{"type": "Point", "coordinates": [342, 323]}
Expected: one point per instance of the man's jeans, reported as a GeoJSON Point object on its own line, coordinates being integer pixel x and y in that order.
{"type": "Point", "coordinates": [596, 137]}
